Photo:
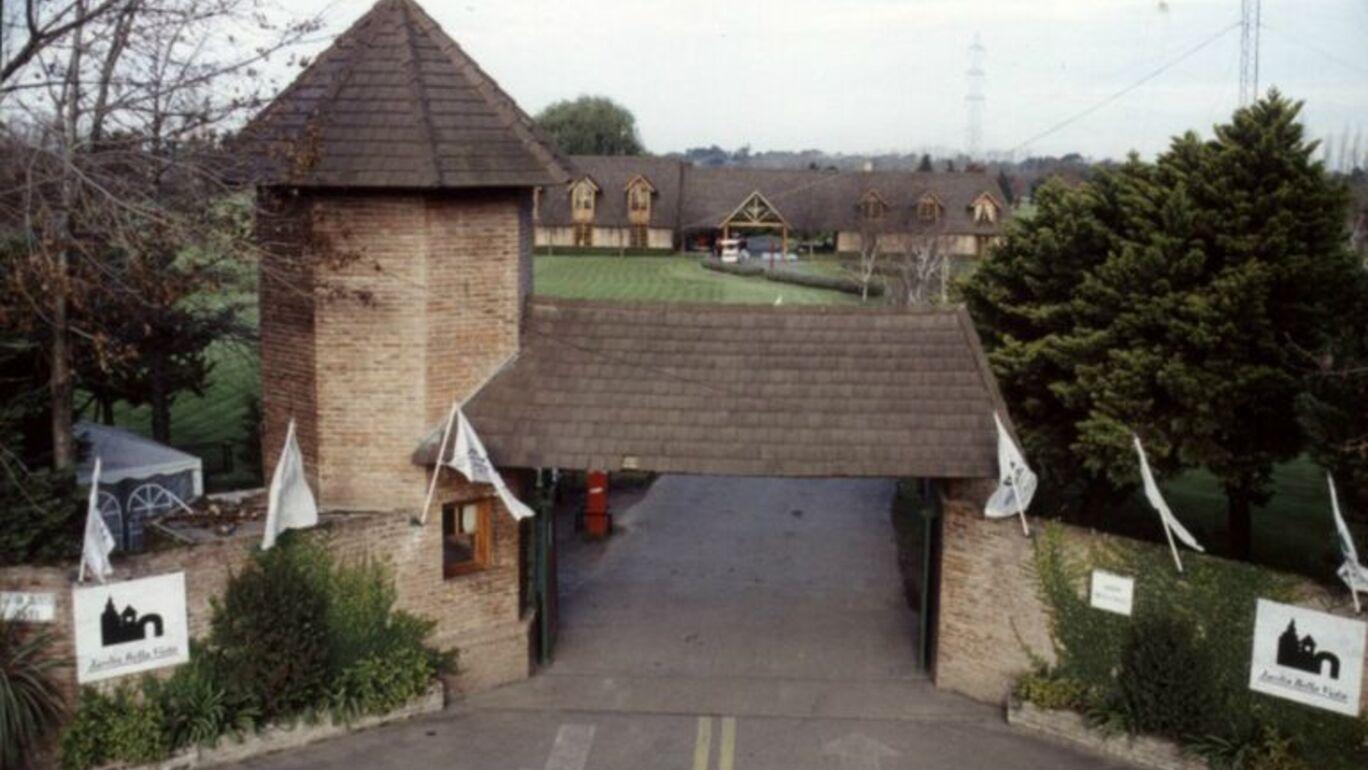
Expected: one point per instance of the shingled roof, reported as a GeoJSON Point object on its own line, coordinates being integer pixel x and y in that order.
{"type": "Point", "coordinates": [742, 389]}
{"type": "Point", "coordinates": [700, 197]}
{"type": "Point", "coordinates": [395, 103]}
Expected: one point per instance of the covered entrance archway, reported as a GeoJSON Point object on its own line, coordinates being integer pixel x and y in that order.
{"type": "Point", "coordinates": [729, 390]}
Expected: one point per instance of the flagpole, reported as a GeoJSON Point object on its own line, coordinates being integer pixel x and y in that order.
{"type": "Point", "coordinates": [1021, 511]}
{"type": "Point", "coordinates": [1174, 548]}
{"type": "Point", "coordinates": [437, 464]}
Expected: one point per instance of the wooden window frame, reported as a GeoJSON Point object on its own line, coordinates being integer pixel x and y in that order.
{"type": "Point", "coordinates": [482, 539]}
{"type": "Point", "coordinates": [928, 211]}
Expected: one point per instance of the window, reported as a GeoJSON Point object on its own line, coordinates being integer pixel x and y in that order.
{"type": "Point", "coordinates": [871, 207]}
{"type": "Point", "coordinates": [985, 212]}
{"type": "Point", "coordinates": [583, 197]}
{"type": "Point", "coordinates": [466, 537]}
{"type": "Point", "coordinates": [584, 235]}
{"type": "Point", "coordinates": [928, 210]}
{"type": "Point", "coordinates": [640, 237]}
{"type": "Point", "coordinates": [639, 198]}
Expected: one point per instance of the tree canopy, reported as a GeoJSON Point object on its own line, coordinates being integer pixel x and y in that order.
{"type": "Point", "coordinates": [1179, 299]}
{"type": "Point", "coordinates": [591, 125]}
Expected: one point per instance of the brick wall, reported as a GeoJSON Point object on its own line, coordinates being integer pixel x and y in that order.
{"type": "Point", "coordinates": [990, 611]}
{"type": "Point", "coordinates": [377, 311]}
{"type": "Point", "coordinates": [478, 614]}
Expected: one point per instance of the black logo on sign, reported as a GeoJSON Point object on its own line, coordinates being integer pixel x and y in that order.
{"type": "Point", "coordinates": [127, 626]}
{"type": "Point", "coordinates": [1300, 653]}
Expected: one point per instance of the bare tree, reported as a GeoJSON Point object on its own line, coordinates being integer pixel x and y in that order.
{"type": "Point", "coordinates": [919, 267]}
{"type": "Point", "coordinates": [871, 241]}
{"type": "Point", "coordinates": [117, 192]}
{"type": "Point", "coordinates": [29, 27]}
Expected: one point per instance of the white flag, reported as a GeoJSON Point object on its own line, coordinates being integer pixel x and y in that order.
{"type": "Point", "coordinates": [468, 457]}
{"type": "Point", "coordinates": [1347, 548]}
{"type": "Point", "coordinates": [1353, 573]}
{"type": "Point", "coordinates": [1171, 524]}
{"type": "Point", "coordinates": [1016, 482]}
{"type": "Point", "coordinates": [98, 542]}
{"type": "Point", "coordinates": [290, 504]}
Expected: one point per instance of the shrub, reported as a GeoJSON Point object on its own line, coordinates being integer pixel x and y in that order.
{"type": "Point", "coordinates": [381, 683]}
{"type": "Point", "coordinates": [1163, 683]}
{"type": "Point", "coordinates": [30, 704]}
{"type": "Point", "coordinates": [1049, 690]}
{"type": "Point", "coordinates": [113, 728]}
{"type": "Point", "coordinates": [734, 268]}
{"type": "Point", "coordinates": [270, 629]}
{"type": "Point", "coordinates": [198, 703]}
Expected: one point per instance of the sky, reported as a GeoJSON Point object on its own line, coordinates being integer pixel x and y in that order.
{"type": "Point", "coordinates": [872, 76]}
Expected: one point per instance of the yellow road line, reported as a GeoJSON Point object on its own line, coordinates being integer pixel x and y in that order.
{"type": "Point", "coordinates": [726, 751]}
{"type": "Point", "coordinates": [703, 745]}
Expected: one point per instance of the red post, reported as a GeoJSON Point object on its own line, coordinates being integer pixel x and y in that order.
{"type": "Point", "coordinates": [597, 521]}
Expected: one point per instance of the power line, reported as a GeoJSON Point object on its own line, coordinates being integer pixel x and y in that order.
{"type": "Point", "coordinates": [1142, 81]}
{"type": "Point", "coordinates": [1316, 49]}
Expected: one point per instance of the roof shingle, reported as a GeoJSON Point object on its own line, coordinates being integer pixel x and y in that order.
{"type": "Point", "coordinates": [747, 390]}
{"type": "Point", "coordinates": [394, 102]}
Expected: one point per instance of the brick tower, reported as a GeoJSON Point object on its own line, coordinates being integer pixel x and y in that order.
{"type": "Point", "coordinates": [395, 180]}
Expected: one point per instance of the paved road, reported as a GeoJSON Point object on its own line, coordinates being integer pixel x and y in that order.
{"type": "Point", "coordinates": [730, 624]}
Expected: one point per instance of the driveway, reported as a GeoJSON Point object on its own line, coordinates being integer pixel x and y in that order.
{"type": "Point", "coordinates": [729, 623]}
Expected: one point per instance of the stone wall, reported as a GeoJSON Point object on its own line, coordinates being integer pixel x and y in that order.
{"type": "Point", "coordinates": [990, 611]}
{"type": "Point", "coordinates": [479, 614]}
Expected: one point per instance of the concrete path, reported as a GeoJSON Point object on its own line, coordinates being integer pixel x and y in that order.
{"type": "Point", "coordinates": [735, 624]}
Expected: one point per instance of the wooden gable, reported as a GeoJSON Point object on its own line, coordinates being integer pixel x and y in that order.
{"type": "Point", "coordinates": [755, 211]}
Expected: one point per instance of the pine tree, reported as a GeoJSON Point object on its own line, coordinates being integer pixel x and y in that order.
{"type": "Point", "coordinates": [1021, 298]}
{"type": "Point", "coordinates": [1178, 300]}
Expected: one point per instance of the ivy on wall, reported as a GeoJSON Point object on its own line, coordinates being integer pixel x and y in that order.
{"type": "Point", "coordinates": [1179, 665]}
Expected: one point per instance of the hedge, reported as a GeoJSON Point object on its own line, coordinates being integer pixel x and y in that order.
{"type": "Point", "coordinates": [796, 277]}
{"type": "Point", "coordinates": [1179, 666]}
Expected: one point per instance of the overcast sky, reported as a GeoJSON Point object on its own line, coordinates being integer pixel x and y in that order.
{"type": "Point", "coordinates": [861, 76]}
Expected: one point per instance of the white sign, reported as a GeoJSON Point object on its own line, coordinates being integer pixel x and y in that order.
{"type": "Point", "coordinates": [1112, 592]}
{"type": "Point", "coordinates": [124, 628]}
{"type": "Point", "coordinates": [32, 608]}
{"type": "Point", "coordinates": [1307, 656]}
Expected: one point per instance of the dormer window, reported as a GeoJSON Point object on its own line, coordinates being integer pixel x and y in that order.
{"type": "Point", "coordinates": [928, 209]}
{"type": "Point", "coordinates": [985, 210]}
{"type": "Point", "coordinates": [639, 198]}
{"type": "Point", "coordinates": [872, 207]}
{"type": "Point", "coordinates": [582, 197]}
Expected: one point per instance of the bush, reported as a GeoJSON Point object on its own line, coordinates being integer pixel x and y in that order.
{"type": "Point", "coordinates": [378, 684]}
{"type": "Point", "coordinates": [30, 704]}
{"type": "Point", "coordinates": [1189, 629]}
{"type": "Point", "coordinates": [117, 728]}
{"type": "Point", "coordinates": [199, 704]}
{"type": "Point", "coordinates": [1163, 684]}
{"type": "Point", "coordinates": [1048, 690]}
{"type": "Point", "coordinates": [797, 277]}
{"type": "Point", "coordinates": [270, 628]}
{"type": "Point", "coordinates": [293, 633]}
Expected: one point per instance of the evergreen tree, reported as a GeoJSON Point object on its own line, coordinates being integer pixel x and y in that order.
{"type": "Point", "coordinates": [925, 164]}
{"type": "Point", "coordinates": [1177, 300]}
{"type": "Point", "coordinates": [1021, 298]}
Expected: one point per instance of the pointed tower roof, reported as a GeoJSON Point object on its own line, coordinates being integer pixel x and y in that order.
{"type": "Point", "coordinates": [395, 103]}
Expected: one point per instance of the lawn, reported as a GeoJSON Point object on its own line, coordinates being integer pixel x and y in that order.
{"type": "Point", "coordinates": [677, 278]}
{"type": "Point", "coordinates": [1293, 532]}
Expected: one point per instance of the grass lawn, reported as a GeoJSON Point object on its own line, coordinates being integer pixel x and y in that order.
{"type": "Point", "coordinates": [1293, 532]}
{"type": "Point", "coordinates": [675, 278]}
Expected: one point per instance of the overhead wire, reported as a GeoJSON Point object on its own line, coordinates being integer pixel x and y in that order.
{"type": "Point", "coordinates": [1165, 67]}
